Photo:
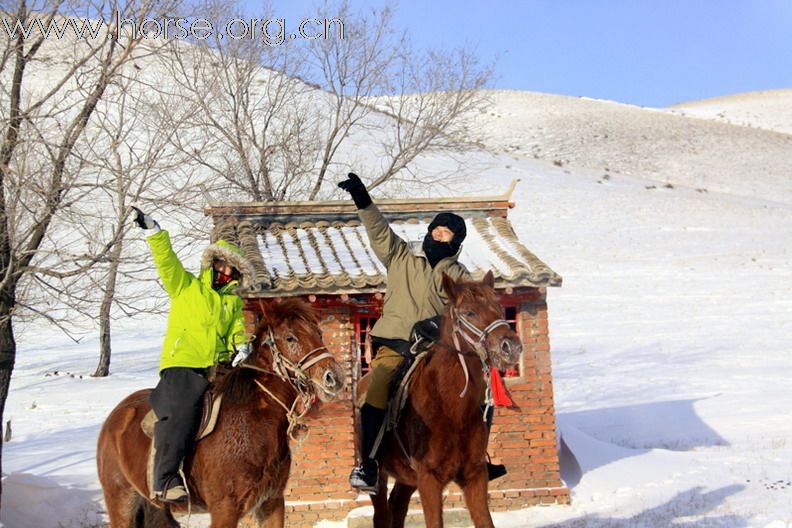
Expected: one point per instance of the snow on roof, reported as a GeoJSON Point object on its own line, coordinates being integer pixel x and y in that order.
{"type": "Point", "coordinates": [325, 250]}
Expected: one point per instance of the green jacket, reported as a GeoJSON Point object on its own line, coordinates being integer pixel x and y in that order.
{"type": "Point", "coordinates": [204, 325]}
{"type": "Point", "coordinates": [415, 290]}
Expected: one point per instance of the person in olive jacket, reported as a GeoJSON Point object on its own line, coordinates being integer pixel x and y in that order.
{"type": "Point", "coordinates": [414, 293]}
{"type": "Point", "coordinates": [206, 326]}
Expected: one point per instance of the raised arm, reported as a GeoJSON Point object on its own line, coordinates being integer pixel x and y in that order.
{"type": "Point", "coordinates": [172, 274]}
{"type": "Point", "coordinates": [384, 241]}
{"type": "Point", "coordinates": [171, 271]}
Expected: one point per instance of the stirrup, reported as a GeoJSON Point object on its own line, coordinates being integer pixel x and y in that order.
{"type": "Point", "coordinates": [176, 495]}
{"type": "Point", "coordinates": [361, 477]}
{"type": "Point", "coordinates": [174, 491]}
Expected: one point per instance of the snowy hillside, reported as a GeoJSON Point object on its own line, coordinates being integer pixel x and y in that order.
{"type": "Point", "coordinates": [770, 110]}
{"type": "Point", "coordinates": [611, 138]}
{"type": "Point", "coordinates": [670, 336]}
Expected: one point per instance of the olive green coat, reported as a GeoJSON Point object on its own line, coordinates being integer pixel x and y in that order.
{"type": "Point", "coordinates": [414, 289]}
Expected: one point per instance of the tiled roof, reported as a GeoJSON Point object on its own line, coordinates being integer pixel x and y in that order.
{"type": "Point", "coordinates": [330, 253]}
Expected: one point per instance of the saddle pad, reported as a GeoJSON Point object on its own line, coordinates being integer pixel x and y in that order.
{"type": "Point", "coordinates": [211, 410]}
{"type": "Point", "coordinates": [402, 393]}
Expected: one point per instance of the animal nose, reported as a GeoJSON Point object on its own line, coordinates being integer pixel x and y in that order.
{"type": "Point", "coordinates": [511, 349]}
{"type": "Point", "coordinates": [330, 380]}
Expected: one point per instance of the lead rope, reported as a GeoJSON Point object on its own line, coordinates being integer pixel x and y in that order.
{"type": "Point", "coordinates": [489, 401]}
{"type": "Point", "coordinates": [282, 366]}
{"type": "Point", "coordinates": [291, 415]}
{"type": "Point", "coordinates": [464, 366]}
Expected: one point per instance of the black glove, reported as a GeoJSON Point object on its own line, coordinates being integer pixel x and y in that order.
{"type": "Point", "coordinates": [145, 221]}
{"type": "Point", "coordinates": [357, 190]}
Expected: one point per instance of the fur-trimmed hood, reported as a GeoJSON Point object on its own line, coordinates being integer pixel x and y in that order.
{"type": "Point", "coordinates": [228, 252]}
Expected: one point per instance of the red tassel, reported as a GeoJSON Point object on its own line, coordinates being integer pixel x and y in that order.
{"type": "Point", "coordinates": [499, 392]}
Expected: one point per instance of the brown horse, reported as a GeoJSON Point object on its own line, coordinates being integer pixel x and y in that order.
{"type": "Point", "coordinates": [441, 436]}
{"type": "Point", "coordinates": [242, 467]}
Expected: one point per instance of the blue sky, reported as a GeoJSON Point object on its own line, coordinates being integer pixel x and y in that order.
{"type": "Point", "coordinates": [645, 52]}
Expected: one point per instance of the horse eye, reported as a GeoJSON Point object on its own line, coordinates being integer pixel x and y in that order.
{"type": "Point", "coordinates": [470, 313]}
{"type": "Point", "coordinates": [291, 338]}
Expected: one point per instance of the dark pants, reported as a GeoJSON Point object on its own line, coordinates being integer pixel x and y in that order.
{"type": "Point", "coordinates": [177, 401]}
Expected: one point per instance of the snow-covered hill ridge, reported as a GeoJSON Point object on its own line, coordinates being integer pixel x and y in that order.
{"type": "Point", "coordinates": [767, 109]}
{"type": "Point", "coordinates": [648, 143]}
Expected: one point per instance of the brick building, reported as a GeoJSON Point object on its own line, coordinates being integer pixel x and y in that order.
{"type": "Point", "coordinates": [319, 251]}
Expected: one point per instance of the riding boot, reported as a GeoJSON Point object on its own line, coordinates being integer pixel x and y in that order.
{"type": "Point", "coordinates": [494, 471]}
{"type": "Point", "coordinates": [365, 476]}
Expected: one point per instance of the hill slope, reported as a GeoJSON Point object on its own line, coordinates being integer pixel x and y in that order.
{"type": "Point", "coordinates": [651, 144]}
{"type": "Point", "coordinates": [769, 110]}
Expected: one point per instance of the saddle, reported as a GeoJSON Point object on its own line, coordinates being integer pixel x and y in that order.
{"type": "Point", "coordinates": [211, 410]}
{"type": "Point", "coordinates": [424, 334]}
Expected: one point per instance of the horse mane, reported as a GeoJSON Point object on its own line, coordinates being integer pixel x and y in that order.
{"type": "Point", "coordinates": [238, 386]}
{"type": "Point", "coordinates": [477, 293]}
{"type": "Point", "coordinates": [290, 309]}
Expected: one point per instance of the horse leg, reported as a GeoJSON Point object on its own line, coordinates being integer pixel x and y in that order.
{"type": "Point", "coordinates": [122, 504]}
{"type": "Point", "coordinates": [475, 493]}
{"type": "Point", "coordinates": [382, 514]}
{"type": "Point", "coordinates": [272, 514]}
{"type": "Point", "coordinates": [431, 491]}
{"type": "Point", "coordinates": [121, 499]}
{"type": "Point", "coordinates": [225, 514]}
{"type": "Point", "coordinates": [399, 503]}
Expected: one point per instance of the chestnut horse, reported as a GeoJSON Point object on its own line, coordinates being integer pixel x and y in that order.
{"type": "Point", "coordinates": [441, 436]}
{"type": "Point", "coordinates": [243, 465]}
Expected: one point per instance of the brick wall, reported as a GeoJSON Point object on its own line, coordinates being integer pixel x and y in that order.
{"type": "Point", "coordinates": [524, 439]}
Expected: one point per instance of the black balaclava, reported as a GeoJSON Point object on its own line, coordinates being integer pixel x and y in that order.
{"type": "Point", "coordinates": [436, 251]}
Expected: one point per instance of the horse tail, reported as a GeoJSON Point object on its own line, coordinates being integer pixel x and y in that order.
{"type": "Point", "coordinates": [146, 515]}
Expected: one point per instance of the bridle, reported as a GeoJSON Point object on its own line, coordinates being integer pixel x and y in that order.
{"type": "Point", "coordinates": [464, 328]}
{"type": "Point", "coordinates": [296, 375]}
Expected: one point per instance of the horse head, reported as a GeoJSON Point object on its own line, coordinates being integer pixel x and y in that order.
{"type": "Point", "coordinates": [476, 318]}
{"type": "Point", "coordinates": [288, 341]}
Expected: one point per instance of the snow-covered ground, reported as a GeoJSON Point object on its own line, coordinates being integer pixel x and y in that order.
{"type": "Point", "coordinates": [669, 336]}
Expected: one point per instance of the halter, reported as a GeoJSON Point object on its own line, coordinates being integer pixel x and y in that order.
{"type": "Point", "coordinates": [463, 327]}
{"type": "Point", "coordinates": [296, 375]}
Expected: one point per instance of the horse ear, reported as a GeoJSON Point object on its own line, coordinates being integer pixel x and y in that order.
{"type": "Point", "coordinates": [489, 279]}
{"type": "Point", "coordinates": [449, 287]}
{"type": "Point", "coordinates": [266, 310]}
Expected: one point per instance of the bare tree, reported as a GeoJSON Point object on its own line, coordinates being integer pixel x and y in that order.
{"type": "Point", "coordinates": [428, 94]}
{"type": "Point", "coordinates": [272, 121]}
{"type": "Point", "coordinates": [47, 103]}
{"type": "Point", "coordinates": [246, 128]}
{"type": "Point", "coordinates": [434, 95]}
{"type": "Point", "coordinates": [134, 163]}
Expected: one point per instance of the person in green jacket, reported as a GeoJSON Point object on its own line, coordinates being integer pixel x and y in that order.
{"type": "Point", "coordinates": [414, 293]}
{"type": "Point", "coordinates": [206, 326]}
